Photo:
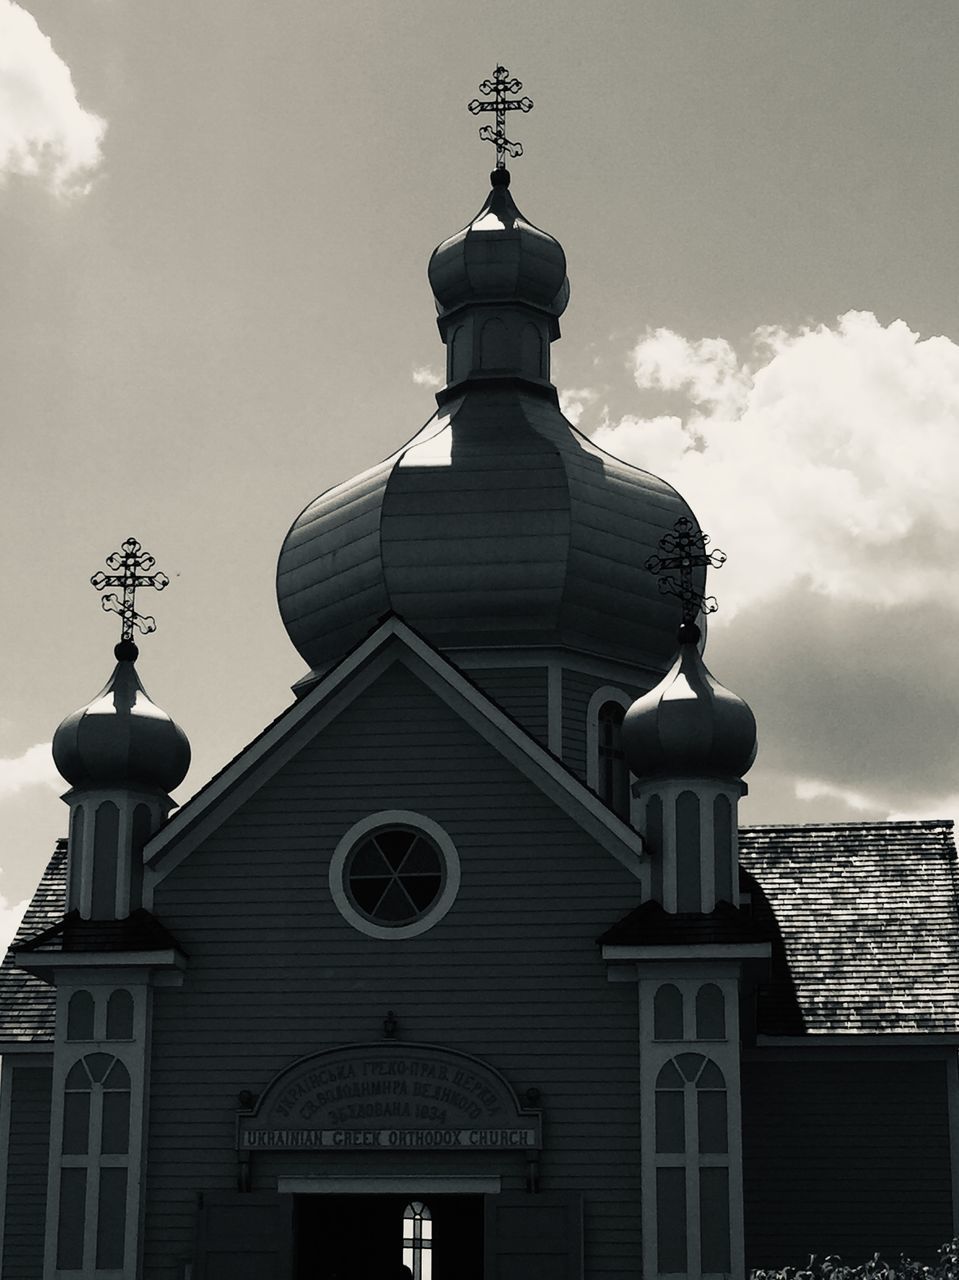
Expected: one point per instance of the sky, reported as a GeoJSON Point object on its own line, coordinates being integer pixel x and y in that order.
{"type": "Point", "coordinates": [215, 221]}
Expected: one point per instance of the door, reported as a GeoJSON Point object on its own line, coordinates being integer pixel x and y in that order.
{"type": "Point", "coordinates": [359, 1237]}
{"type": "Point", "coordinates": [245, 1235]}
{"type": "Point", "coordinates": [534, 1237]}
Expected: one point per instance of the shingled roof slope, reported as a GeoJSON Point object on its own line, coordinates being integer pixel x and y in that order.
{"type": "Point", "coordinates": [28, 1005]}
{"type": "Point", "coordinates": [865, 926]}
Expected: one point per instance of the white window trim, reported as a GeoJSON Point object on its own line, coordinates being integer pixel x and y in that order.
{"type": "Point", "coordinates": [394, 818]}
{"type": "Point", "coordinates": [132, 1054]}
{"type": "Point", "coordinates": [606, 693]}
{"type": "Point", "coordinates": [653, 1055]}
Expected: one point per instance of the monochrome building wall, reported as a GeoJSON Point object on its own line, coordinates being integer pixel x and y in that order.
{"type": "Point", "coordinates": [465, 960]}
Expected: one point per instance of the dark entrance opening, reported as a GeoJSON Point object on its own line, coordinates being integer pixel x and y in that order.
{"type": "Point", "coordinates": [357, 1237]}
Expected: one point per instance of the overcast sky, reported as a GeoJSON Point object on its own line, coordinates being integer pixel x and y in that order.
{"type": "Point", "coordinates": [215, 220]}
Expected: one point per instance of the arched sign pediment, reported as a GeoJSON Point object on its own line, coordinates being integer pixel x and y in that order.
{"type": "Point", "coordinates": [389, 1096]}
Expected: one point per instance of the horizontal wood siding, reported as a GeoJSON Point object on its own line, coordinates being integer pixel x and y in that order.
{"type": "Point", "coordinates": [521, 692]}
{"type": "Point", "coordinates": [512, 974]}
{"type": "Point", "coordinates": [845, 1158]}
{"type": "Point", "coordinates": [577, 691]}
{"type": "Point", "coordinates": [27, 1165]}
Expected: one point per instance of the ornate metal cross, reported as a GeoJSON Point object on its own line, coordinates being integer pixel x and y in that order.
{"type": "Point", "coordinates": [686, 550]}
{"type": "Point", "coordinates": [499, 87]}
{"type": "Point", "coordinates": [132, 567]}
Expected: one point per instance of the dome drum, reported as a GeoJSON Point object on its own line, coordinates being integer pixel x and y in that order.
{"type": "Point", "coordinates": [488, 341]}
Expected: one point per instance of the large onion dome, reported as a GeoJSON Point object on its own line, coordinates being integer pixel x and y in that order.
{"type": "Point", "coordinates": [121, 738]}
{"type": "Point", "coordinates": [498, 525]}
{"type": "Point", "coordinates": [689, 725]}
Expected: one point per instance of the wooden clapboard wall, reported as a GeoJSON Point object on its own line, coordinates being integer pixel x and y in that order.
{"type": "Point", "coordinates": [521, 692]}
{"type": "Point", "coordinates": [26, 1172]}
{"type": "Point", "coordinates": [511, 974]}
{"type": "Point", "coordinates": [845, 1157]}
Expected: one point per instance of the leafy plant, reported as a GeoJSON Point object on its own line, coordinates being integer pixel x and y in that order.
{"type": "Point", "coordinates": [832, 1267]}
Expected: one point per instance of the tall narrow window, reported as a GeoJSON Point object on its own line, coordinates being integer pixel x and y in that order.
{"type": "Point", "coordinates": [74, 856]}
{"type": "Point", "coordinates": [692, 1165]}
{"type": "Point", "coordinates": [613, 774]}
{"type": "Point", "coordinates": [105, 835]}
{"type": "Point", "coordinates": [688, 853]}
{"type": "Point", "coordinates": [418, 1240]}
{"type": "Point", "coordinates": [723, 848]}
{"type": "Point", "coordinates": [94, 1153]}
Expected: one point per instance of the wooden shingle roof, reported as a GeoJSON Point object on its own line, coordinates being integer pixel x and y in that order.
{"type": "Point", "coordinates": [865, 926]}
{"type": "Point", "coordinates": [27, 1004]}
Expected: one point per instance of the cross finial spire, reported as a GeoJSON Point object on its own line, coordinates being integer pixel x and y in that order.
{"type": "Point", "coordinates": [686, 550]}
{"type": "Point", "coordinates": [131, 565]}
{"type": "Point", "coordinates": [498, 87]}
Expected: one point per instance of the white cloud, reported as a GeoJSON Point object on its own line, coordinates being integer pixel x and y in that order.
{"type": "Point", "coordinates": [44, 131]}
{"type": "Point", "coordinates": [815, 789]}
{"type": "Point", "coordinates": [920, 808]}
{"type": "Point", "coordinates": [573, 402]}
{"type": "Point", "coordinates": [424, 376]}
{"type": "Point", "coordinates": [828, 457]}
{"type": "Point", "coordinates": [34, 768]}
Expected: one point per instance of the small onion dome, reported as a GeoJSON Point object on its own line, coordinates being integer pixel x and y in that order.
{"type": "Point", "coordinates": [121, 738]}
{"type": "Point", "coordinates": [689, 725]}
{"type": "Point", "coordinates": [498, 257]}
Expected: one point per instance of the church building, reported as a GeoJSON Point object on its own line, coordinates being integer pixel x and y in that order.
{"type": "Point", "coordinates": [465, 963]}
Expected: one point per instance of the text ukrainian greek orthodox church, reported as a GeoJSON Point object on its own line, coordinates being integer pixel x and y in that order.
{"type": "Point", "coordinates": [465, 963]}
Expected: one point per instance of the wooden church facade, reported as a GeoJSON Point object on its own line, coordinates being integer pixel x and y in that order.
{"type": "Point", "coordinates": [464, 964]}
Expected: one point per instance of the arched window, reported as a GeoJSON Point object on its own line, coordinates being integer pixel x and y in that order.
{"type": "Point", "coordinates": [93, 1174]}
{"type": "Point", "coordinates": [668, 1013]}
{"type": "Point", "coordinates": [80, 1016]}
{"type": "Point", "coordinates": [531, 351]}
{"type": "Point", "coordinates": [710, 1013]}
{"type": "Point", "coordinates": [692, 1166]}
{"type": "Point", "coordinates": [105, 835]}
{"type": "Point", "coordinates": [120, 1016]}
{"type": "Point", "coordinates": [418, 1240]}
{"type": "Point", "coordinates": [458, 354]}
{"type": "Point", "coordinates": [494, 345]}
{"type": "Point", "coordinates": [613, 771]}
{"type": "Point", "coordinates": [75, 856]}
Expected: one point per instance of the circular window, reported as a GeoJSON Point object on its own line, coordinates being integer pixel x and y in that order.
{"type": "Point", "coordinates": [395, 874]}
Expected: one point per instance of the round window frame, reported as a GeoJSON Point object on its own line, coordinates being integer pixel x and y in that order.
{"type": "Point", "coordinates": [383, 821]}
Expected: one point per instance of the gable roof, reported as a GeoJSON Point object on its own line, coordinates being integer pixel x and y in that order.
{"type": "Point", "coordinates": [27, 1004]}
{"type": "Point", "coordinates": [864, 923]}
{"type": "Point", "coordinates": [392, 641]}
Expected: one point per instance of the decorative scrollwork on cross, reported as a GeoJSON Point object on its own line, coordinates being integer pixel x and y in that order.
{"type": "Point", "coordinates": [686, 550]}
{"type": "Point", "coordinates": [131, 565]}
{"type": "Point", "coordinates": [499, 86]}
